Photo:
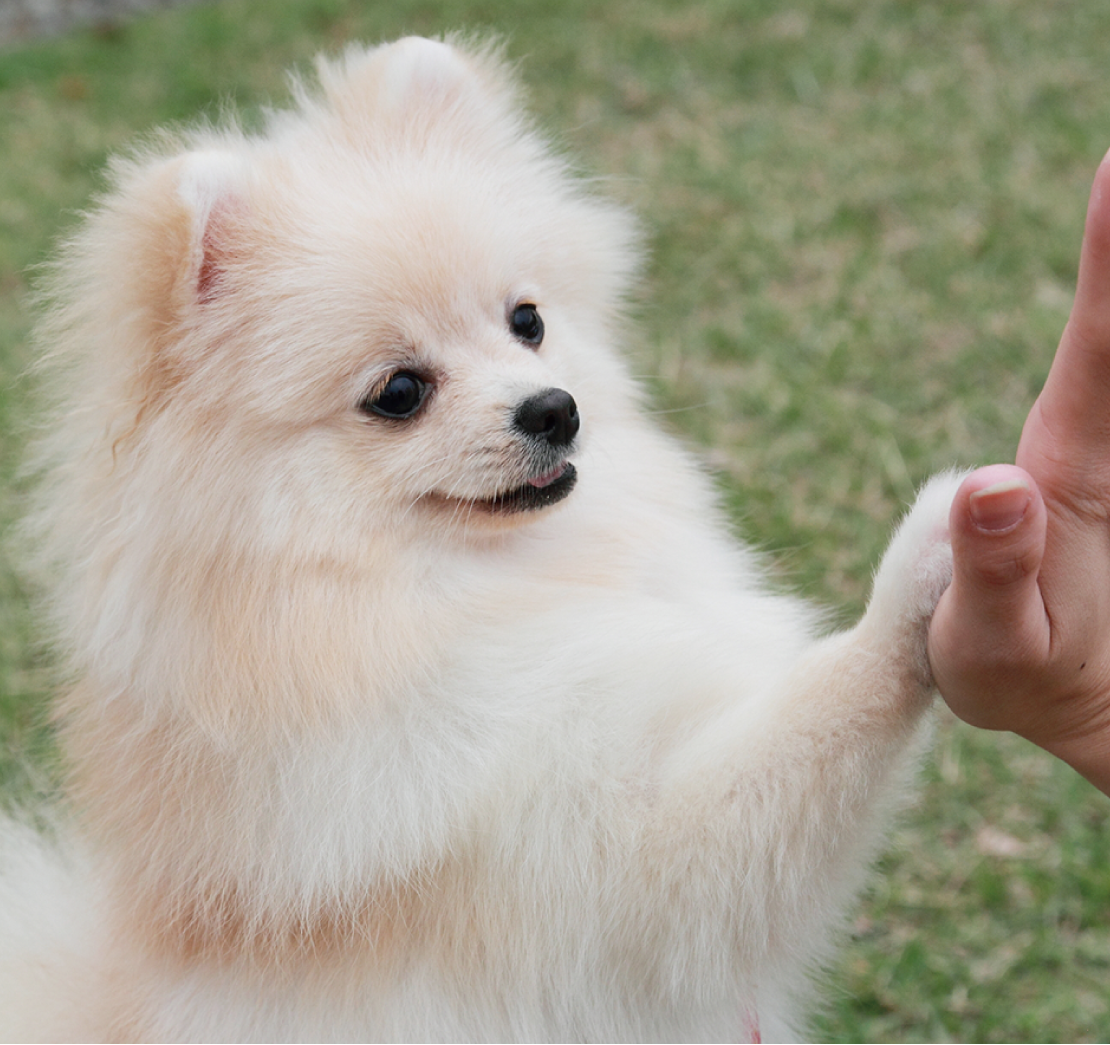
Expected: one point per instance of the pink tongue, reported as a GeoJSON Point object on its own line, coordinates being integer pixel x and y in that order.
{"type": "Point", "coordinates": [547, 478]}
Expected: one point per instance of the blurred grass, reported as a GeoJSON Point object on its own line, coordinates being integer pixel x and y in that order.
{"type": "Point", "coordinates": [865, 217]}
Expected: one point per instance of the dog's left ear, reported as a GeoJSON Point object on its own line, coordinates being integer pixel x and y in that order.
{"type": "Point", "coordinates": [415, 72]}
{"type": "Point", "coordinates": [402, 82]}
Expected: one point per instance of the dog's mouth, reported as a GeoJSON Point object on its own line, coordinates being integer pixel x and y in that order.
{"type": "Point", "coordinates": [540, 491]}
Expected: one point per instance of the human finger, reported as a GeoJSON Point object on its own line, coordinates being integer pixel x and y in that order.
{"type": "Point", "coordinates": [1072, 406]}
{"type": "Point", "coordinates": [990, 626]}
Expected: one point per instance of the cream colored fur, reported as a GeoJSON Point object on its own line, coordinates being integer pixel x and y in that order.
{"type": "Point", "coordinates": [351, 756]}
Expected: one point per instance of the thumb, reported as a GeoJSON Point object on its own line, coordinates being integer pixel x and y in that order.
{"type": "Point", "coordinates": [997, 525]}
{"type": "Point", "coordinates": [991, 620]}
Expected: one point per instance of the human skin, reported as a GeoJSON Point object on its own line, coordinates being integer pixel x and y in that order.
{"type": "Point", "coordinates": [1021, 639]}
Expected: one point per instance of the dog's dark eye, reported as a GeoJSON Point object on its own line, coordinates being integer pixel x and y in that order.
{"type": "Point", "coordinates": [525, 323]}
{"type": "Point", "coordinates": [400, 397]}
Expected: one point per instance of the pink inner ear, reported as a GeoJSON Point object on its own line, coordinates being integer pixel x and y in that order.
{"type": "Point", "coordinates": [214, 250]}
{"type": "Point", "coordinates": [209, 185]}
{"type": "Point", "coordinates": [208, 279]}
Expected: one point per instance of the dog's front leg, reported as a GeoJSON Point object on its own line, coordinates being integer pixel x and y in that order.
{"type": "Point", "coordinates": [776, 807]}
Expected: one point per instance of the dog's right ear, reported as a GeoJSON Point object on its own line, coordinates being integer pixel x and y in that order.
{"type": "Point", "coordinates": [212, 188]}
{"type": "Point", "coordinates": [154, 262]}
{"type": "Point", "coordinates": [168, 237]}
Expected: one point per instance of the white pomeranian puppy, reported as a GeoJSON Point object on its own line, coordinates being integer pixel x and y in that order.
{"type": "Point", "coordinates": [416, 688]}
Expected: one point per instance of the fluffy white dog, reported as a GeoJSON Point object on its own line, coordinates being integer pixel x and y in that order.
{"type": "Point", "coordinates": [417, 691]}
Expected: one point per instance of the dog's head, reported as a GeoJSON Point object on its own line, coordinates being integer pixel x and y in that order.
{"type": "Point", "coordinates": [392, 307]}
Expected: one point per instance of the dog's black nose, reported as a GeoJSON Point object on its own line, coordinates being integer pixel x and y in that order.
{"type": "Point", "coordinates": [551, 414]}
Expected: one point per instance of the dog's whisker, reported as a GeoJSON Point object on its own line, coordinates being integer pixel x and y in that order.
{"type": "Point", "coordinates": [664, 412]}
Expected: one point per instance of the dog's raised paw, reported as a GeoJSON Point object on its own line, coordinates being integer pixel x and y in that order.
{"type": "Point", "coordinates": [917, 566]}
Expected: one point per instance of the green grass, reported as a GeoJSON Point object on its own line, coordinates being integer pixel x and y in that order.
{"type": "Point", "coordinates": [864, 217]}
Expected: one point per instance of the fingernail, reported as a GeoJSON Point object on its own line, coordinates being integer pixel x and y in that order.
{"type": "Point", "coordinates": [1002, 506]}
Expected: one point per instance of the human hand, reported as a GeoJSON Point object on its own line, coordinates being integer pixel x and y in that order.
{"type": "Point", "coordinates": [1021, 639]}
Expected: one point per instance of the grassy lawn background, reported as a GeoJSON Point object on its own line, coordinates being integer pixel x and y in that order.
{"type": "Point", "coordinates": [865, 218]}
